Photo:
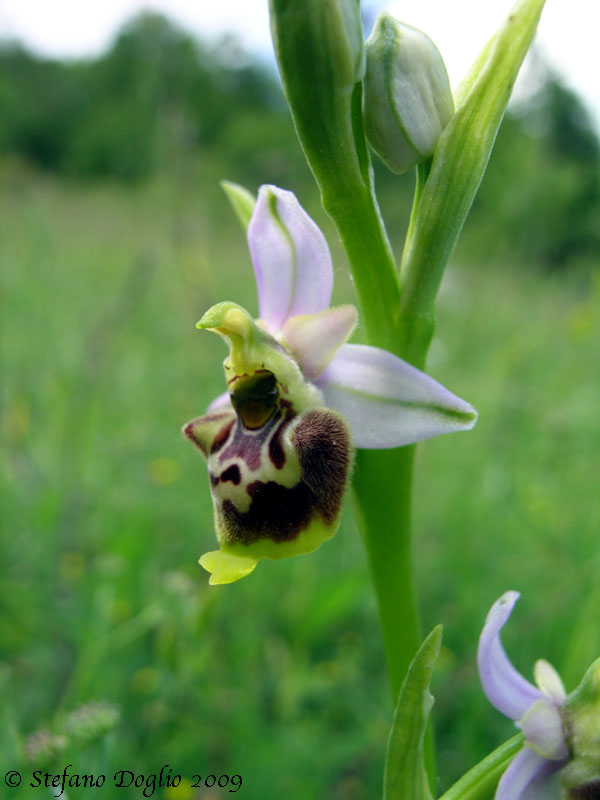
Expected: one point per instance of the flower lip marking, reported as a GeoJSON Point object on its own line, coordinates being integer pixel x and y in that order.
{"type": "Point", "coordinates": [254, 398]}
{"type": "Point", "coordinates": [587, 791]}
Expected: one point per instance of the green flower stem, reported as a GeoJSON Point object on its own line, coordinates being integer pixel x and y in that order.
{"type": "Point", "coordinates": [344, 175]}
{"type": "Point", "coordinates": [382, 478]}
{"type": "Point", "coordinates": [318, 49]}
{"type": "Point", "coordinates": [382, 490]}
{"type": "Point", "coordinates": [382, 486]}
{"type": "Point", "coordinates": [443, 195]}
{"type": "Point", "coordinates": [328, 120]}
{"type": "Point", "coordinates": [480, 782]}
{"type": "Point", "coordinates": [356, 216]}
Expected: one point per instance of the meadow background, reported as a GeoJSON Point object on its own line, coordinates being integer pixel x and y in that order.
{"type": "Point", "coordinates": [114, 239]}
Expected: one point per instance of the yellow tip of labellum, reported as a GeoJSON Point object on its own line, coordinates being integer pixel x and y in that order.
{"type": "Point", "coordinates": [225, 567]}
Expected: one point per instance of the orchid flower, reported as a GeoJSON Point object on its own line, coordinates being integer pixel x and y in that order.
{"type": "Point", "coordinates": [533, 773]}
{"type": "Point", "coordinates": [279, 444]}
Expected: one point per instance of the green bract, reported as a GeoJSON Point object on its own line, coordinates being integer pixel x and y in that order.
{"type": "Point", "coordinates": [459, 161]}
{"type": "Point", "coordinates": [405, 775]}
{"type": "Point", "coordinates": [407, 100]}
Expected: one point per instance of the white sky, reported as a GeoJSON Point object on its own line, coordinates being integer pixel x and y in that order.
{"type": "Point", "coordinates": [568, 32]}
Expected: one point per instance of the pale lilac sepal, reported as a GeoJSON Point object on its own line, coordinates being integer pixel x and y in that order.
{"type": "Point", "coordinates": [529, 777]}
{"type": "Point", "coordinates": [291, 259]}
{"type": "Point", "coordinates": [387, 402]}
{"type": "Point", "coordinates": [222, 401]}
{"type": "Point", "coordinates": [314, 339]}
{"type": "Point", "coordinates": [543, 729]}
{"type": "Point", "coordinates": [505, 688]}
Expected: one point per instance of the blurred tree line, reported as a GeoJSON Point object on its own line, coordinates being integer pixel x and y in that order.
{"type": "Point", "coordinates": [159, 96]}
{"type": "Point", "coordinates": [157, 89]}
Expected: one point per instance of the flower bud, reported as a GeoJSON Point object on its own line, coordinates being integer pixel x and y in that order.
{"type": "Point", "coordinates": [581, 719]}
{"type": "Point", "coordinates": [407, 98]}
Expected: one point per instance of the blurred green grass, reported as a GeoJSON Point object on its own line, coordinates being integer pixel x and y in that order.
{"type": "Point", "coordinates": [279, 678]}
